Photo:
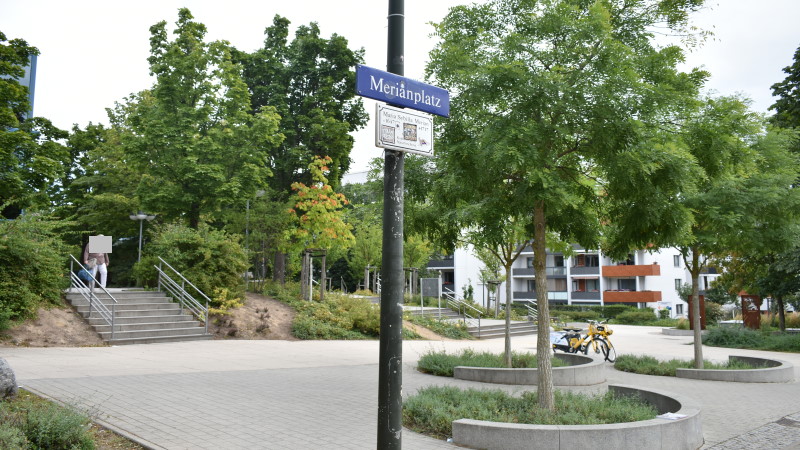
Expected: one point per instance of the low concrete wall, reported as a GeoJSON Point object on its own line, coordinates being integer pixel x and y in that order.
{"type": "Point", "coordinates": [771, 371]}
{"type": "Point", "coordinates": [684, 433]}
{"type": "Point", "coordinates": [677, 332]}
{"type": "Point", "coordinates": [582, 371]}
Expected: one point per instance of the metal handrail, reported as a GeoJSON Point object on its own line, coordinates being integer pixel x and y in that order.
{"type": "Point", "coordinates": [95, 302]}
{"type": "Point", "coordinates": [463, 308]}
{"type": "Point", "coordinates": [533, 312]}
{"type": "Point", "coordinates": [178, 291]}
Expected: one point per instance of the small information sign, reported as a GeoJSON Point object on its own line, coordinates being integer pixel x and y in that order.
{"type": "Point", "coordinates": [404, 130]}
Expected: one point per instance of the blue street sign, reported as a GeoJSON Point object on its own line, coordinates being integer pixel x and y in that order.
{"type": "Point", "coordinates": [401, 91]}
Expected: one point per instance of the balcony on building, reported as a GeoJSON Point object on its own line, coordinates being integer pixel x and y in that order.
{"type": "Point", "coordinates": [529, 272]}
{"type": "Point", "coordinates": [585, 264]}
{"type": "Point", "coordinates": [632, 270]}
{"type": "Point", "coordinates": [625, 296]}
{"type": "Point", "coordinates": [559, 296]}
{"type": "Point", "coordinates": [444, 262]}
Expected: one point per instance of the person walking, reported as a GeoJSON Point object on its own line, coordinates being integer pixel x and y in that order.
{"type": "Point", "coordinates": [98, 264]}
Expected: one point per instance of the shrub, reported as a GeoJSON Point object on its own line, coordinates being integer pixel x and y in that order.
{"type": "Point", "coordinates": [682, 324]}
{"type": "Point", "coordinates": [11, 436]}
{"type": "Point", "coordinates": [210, 259]}
{"type": "Point", "coordinates": [433, 409]}
{"type": "Point", "coordinates": [641, 316]}
{"type": "Point", "coordinates": [43, 425]}
{"type": "Point", "coordinates": [442, 363]}
{"type": "Point", "coordinates": [441, 327]}
{"type": "Point", "coordinates": [32, 266]}
{"type": "Point", "coordinates": [580, 316]}
{"type": "Point", "coordinates": [647, 365]}
{"type": "Point", "coordinates": [735, 337]}
{"type": "Point", "coordinates": [338, 317]}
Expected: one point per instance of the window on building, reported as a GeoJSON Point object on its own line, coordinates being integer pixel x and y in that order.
{"type": "Point", "coordinates": [531, 285]}
{"type": "Point", "coordinates": [557, 284]}
{"type": "Point", "coordinates": [585, 285]}
{"type": "Point", "coordinates": [558, 261]}
{"type": "Point", "coordinates": [678, 283]}
{"type": "Point", "coordinates": [583, 260]}
{"type": "Point", "coordinates": [627, 284]}
{"type": "Point", "coordinates": [676, 260]}
{"type": "Point", "coordinates": [679, 310]}
{"type": "Point", "coordinates": [530, 262]}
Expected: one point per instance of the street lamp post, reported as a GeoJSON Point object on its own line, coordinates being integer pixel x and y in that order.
{"type": "Point", "coordinates": [141, 217]}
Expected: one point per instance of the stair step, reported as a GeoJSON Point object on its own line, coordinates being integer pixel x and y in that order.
{"type": "Point", "coordinates": [160, 339]}
{"type": "Point", "coordinates": [190, 331]}
{"type": "Point", "coordinates": [135, 306]}
{"type": "Point", "coordinates": [145, 326]}
{"type": "Point", "coordinates": [141, 319]}
{"type": "Point", "coordinates": [126, 301]}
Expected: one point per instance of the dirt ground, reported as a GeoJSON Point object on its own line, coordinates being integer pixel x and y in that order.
{"type": "Point", "coordinates": [261, 317]}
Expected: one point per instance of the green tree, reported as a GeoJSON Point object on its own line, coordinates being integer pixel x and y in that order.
{"type": "Point", "coordinates": [31, 158]}
{"type": "Point", "coordinates": [555, 100]}
{"type": "Point", "coordinates": [744, 204]}
{"type": "Point", "coordinates": [316, 216]}
{"type": "Point", "coordinates": [191, 134]}
{"type": "Point", "coordinates": [310, 83]}
{"type": "Point", "coordinates": [211, 259]}
{"type": "Point", "coordinates": [787, 106]}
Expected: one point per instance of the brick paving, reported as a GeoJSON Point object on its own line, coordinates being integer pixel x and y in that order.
{"type": "Point", "coordinates": [317, 394]}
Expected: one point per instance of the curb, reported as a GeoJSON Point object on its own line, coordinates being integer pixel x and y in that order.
{"type": "Point", "coordinates": [773, 371]}
{"type": "Point", "coordinates": [582, 371]}
{"type": "Point", "coordinates": [683, 433]}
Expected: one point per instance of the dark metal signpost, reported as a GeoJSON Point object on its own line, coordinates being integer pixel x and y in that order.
{"type": "Point", "coordinates": [392, 87]}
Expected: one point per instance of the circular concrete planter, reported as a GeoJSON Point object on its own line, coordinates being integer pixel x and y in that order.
{"type": "Point", "coordinates": [677, 332]}
{"type": "Point", "coordinates": [683, 433]}
{"type": "Point", "coordinates": [582, 371]}
{"type": "Point", "coordinates": [771, 371]}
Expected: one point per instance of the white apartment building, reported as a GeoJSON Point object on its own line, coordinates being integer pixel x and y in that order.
{"type": "Point", "coordinates": [643, 279]}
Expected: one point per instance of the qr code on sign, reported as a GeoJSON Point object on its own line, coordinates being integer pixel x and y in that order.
{"type": "Point", "coordinates": [409, 132]}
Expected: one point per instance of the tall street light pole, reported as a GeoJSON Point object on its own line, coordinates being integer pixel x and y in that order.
{"type": "Point", "coordinates": [141, 217]}
{"type": "Point", "coordinates": [390, 372]}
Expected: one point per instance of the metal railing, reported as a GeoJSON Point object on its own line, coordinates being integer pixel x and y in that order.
{"type": "Point", "coordinates": [96, 304]}
{"type": "Point", "coordinates": [179, 292]}
{"type": "Point", "coordinates": [471, 314]}
{"type": "Point", "coordinates": [533, 311]}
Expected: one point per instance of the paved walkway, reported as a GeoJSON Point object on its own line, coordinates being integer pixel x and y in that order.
{"type": "Point", "coordinates": [323, 394]}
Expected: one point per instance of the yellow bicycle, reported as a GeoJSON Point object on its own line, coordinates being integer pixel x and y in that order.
{"type": "Point", "coordinates": [571, 340]}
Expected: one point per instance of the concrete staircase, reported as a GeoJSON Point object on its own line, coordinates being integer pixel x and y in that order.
{"type": "Point", "coordinates": [141, 317]}
{"type": "Point", "coordinates": [444, 313]}
{"type": "Point", "coordinates": [493, 330]}
{"type": "Point", "coordinates": [490, 328]}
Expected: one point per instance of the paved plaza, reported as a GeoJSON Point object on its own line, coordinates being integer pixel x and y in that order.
{"type": "Point", "coordinates": [229, 394]}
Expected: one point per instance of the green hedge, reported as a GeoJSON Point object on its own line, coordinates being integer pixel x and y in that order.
{"type": "Point", "coordinates": [212, 260]}
{"type": "Point", "coordinates": [33, 264]}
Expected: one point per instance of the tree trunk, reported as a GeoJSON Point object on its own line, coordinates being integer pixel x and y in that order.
{"type": "Point", "coordinates": [279, 270]}
{"type": "Point", "coordinates": [543, 347]}
{"type": "Point", "coordinates": [322, 280]}
{"type": "Point", "coordinates": [366, 278]}
{"type": "Point", "coordinates": [194, 216]}
{"type": "Point", "coordinates": [698, 328]}
{"type": "Point", "coordinates": [304, 276]}
{"type": "Point", "coordinates": [781, 313]}
{"type": "Point", "coordinates": [497, 299]}
{"type": "Point", "coordinates": [508, 318]}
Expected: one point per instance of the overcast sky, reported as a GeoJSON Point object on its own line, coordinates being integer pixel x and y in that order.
{"type": "Point", "coordinates": [94, 53]}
